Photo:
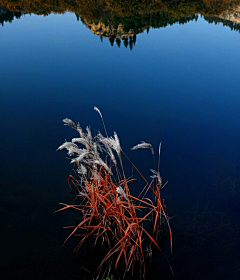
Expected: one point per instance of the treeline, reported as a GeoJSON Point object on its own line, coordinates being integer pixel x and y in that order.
{"type": "Point", "coordinates": [8, 16]}
{"type": "Point", "coordinates": [232, 25]}
{"type": "Point", "coordinates": [39, 7]}
{"type": "Point", "coordinates": [137, 24]}
{"type": "Point", "coordinates": [134, 15]}
{"type": "Point", "coordinates": [127, 42]}
{"type": "Point", "coordinates": [98, 9]}
{"type": "Point", "coordinates": [155, 20]}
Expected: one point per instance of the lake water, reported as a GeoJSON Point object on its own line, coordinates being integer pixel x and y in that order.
{"type": "Point", "coordinates": [178, 84]}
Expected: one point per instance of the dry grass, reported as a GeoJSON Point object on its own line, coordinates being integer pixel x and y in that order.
{"type": "Point", "coordinates": [130, 228]}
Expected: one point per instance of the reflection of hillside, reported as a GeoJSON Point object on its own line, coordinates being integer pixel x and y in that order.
{"type": "Point", "coordinates": [123, 19]}
{"type": "Point", "coordinates": [122, 26]}
{"type": "Point", "coordinates": [231, 14]}
{"type": "Point", "coordinates": [126, 28]}
{"type": "Point", "coordinates": [110, 31]}
{"type": "Point", "coordinates": [231, 24]}
{"type": "Point", "coordinates": [230, 18]}
{"type": "Point", "coordinates": [98, 10]}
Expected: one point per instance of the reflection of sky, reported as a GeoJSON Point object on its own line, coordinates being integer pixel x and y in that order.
{"type": "Point", "coordinates": [179, 85]}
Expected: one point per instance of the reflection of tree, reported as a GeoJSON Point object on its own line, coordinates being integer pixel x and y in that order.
{"type": "Point", "coordinates": [130, 43]}
{"type": "Point", "coordinates": [111, 40]}
{"type": "Point", "coordinates": [134, 39]}
{"type": "Point", "coordinates": [127, 28]}
{"type": "Point", "coordinates": [155, 20]}
{"type": "Point", "coordinates": [122, 20]}
{"type": "Point", "coordinates": [232, 25]}
{"type": "Point", "coordinates": [125, 42]}
{"type": "Point", "coordinates": [8, 16]}
{"type": "Point", "coordinates": [118, 41]}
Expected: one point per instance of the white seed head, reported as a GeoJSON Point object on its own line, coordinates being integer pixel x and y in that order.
{"type": "Point", "coordinates": [81, 141]}
{"type": "Point", "coordinates": [156, 174]}
{"type": "Point", "coordinates": [82, 170]}
{"type": "Point", "coordinates": [118, 147]}
{"type": "Point", "coordinates": [110, 153]}
{"type": "Point", "coordinates": [99, 161]}
{"type": "Point", "coordinates": [121, 192]}
{"type": "Point", "coordinates": [81, 157]}
{"type": "Point", "coordinates": [69, 122]}
{"type": "Point", "coordinates": [113, 143]}
{"type": "Point", "coordinates": [89, 134]}
{"type": "Point", "coordinates": [67, 145]}
{"type": "Point", "coordinates": [80, 131]}
{"type": "Point", "coordinates": [143, 145]}
{"type": "Point", "coordinates": [96, 176]}
{"type": "Point", "coordinates": [97, 110]}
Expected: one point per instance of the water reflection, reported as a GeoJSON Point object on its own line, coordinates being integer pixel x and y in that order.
{"type": "Point", "coordinates": [8, 16]}
{"type": "Point", "coordinates": [180, 85]}
{"type": "Point", "coordinates": [121, 21]}
{"type": "Point", "coordinates": [125, 29]}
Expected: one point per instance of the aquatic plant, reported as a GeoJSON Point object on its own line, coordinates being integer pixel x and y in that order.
{"type": "Point", "coordinates": [130, 229]}
{"type": "Point", "coordinates": [109, 278]}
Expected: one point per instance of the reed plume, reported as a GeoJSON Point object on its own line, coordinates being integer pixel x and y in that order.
{"type": "Point", "coordinates": [109, 213]}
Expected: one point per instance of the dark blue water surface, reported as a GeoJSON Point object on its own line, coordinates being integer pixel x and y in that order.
{"type": "Point", "coordinates": [179, 85]}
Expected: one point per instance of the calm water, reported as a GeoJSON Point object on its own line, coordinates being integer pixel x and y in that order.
{"type": "Point", "coordinates": [179, 85]}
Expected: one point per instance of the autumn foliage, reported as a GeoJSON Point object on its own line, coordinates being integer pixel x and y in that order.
{"type": "Point", "coordinates": [100, 9]}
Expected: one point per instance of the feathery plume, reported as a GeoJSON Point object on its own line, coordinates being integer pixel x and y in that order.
{"type": "Point", "coordinates": [96, 176]}
{"type": "Point", "coordinates": [121, 192]}
{"type": "Point", "coordinates": [89, 135]}
{"type": "Point", "coordinates": [74, 150]}
{"type": "Point", "coordinates": [69, 122]}
{"type": "Point", "coordinates": [110, 153]}
{"type": "Point", "coordinates": [99, 161]}
{"type": "Point", "coordinates": [82, 170]}
{"type": "Point", "coordinates": [159, 155]}
{"type": "Point", "coordinates": [143, 145]}
{"type": "Point", "coordinates": [108, 147]}
{"type": "Point", "coordinates": [157, 175]}
{"type": "Point", "coordinates": [80, 131]}
{"type": "Point", "coordinates": [95, 151]}
{"type": "Point", "coordinates": [111, 142]}
{"type": "Point", "coordinates": [81, 141]}
{"type": "Point", "coordinates": [71, 147]}
{"type": "Point", "coordinates": [81, 157]}
{"type": "Point", "coordinates": [97, 110]}
{"type": "Point", "coordinates": [102, 196]}
{"type": "Point", "coordinates": [118, 147]}
{"type": "Point", "coordinates": [66, 145]}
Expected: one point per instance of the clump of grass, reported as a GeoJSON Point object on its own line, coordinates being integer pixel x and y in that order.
{"type": "Point", "coordinates": [130, 228]}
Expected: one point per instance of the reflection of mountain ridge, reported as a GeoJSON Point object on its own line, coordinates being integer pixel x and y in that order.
{"type": "Point", "coordinates": [121, 27]}
{"type": "Point", "coordinates": [231, 24]}
{"type": "Point", "coordinates": [128, 27]}
{"type": "Point", "coordinates": [123, 19]}
{"type": "Point", "coordinates": [230, 18]}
